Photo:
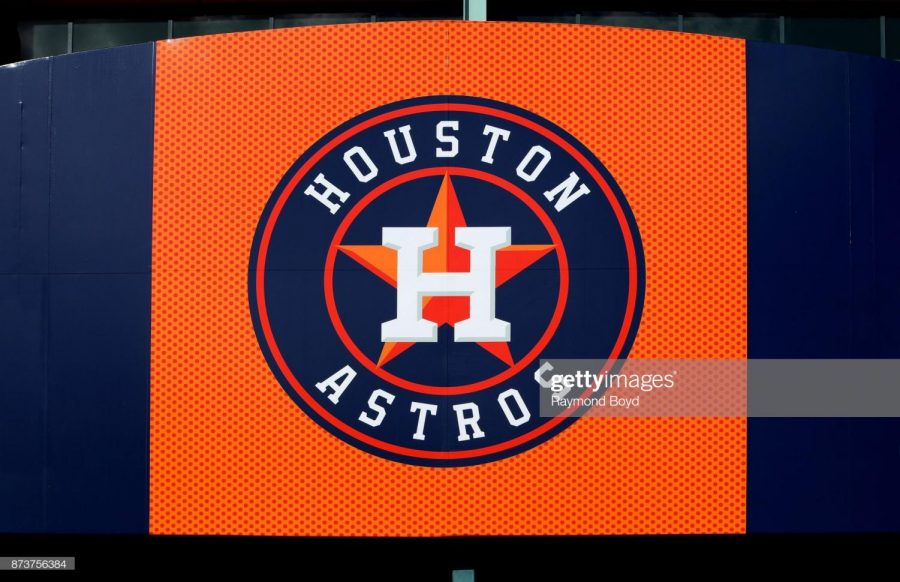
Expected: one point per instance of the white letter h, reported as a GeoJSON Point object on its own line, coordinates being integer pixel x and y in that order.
{"type": "Point", "coordinates": [413, 285]}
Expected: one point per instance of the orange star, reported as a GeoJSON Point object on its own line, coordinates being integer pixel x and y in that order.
{"type": "Point", "coordinates": [446, 257]}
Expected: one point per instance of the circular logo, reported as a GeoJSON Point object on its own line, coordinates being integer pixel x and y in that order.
{"type": "Point", "coordinates": [413, 266]}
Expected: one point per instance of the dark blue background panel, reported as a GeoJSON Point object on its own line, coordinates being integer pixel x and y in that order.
{"type": "Point", "coordinates": [102, 173]}
{"type": "Point", "coordinates": [823, 202]}
{"type": "Point", "coordinates": [875, 147]}
{"type": "Point", "coordinates": [823, 475]}
{"type": "Point", "coordinates": [24, 160]}
{"type": "Point", "coordinates": [98, 403]}
{"type": "Point", "coordinates": [23, 394]}
{"type": "Point", "coordinates": [75, 235]}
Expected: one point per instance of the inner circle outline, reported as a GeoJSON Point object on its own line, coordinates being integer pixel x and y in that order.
{"type": "Point", "coordinates": [509, 187]}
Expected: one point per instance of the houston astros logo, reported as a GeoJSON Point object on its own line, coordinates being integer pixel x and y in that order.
{"type": "Point", "coordinates": [412, 267]}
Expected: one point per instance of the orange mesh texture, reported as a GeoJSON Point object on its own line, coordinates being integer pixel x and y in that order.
{"type": "Point", "coordinates": [232, 454]}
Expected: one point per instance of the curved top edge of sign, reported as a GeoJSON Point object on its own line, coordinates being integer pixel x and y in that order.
{"type": "Point", "coordinates": [311, 29]}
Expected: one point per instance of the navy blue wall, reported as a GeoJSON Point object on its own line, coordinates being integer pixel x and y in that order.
{"type": "Point", "coordinates": [76, 154]}
{"type": "Point", "coordinates": [824, 276]}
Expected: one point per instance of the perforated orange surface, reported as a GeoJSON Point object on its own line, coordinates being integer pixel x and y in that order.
{"type": "Point", "coordinates": [232, 454]}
